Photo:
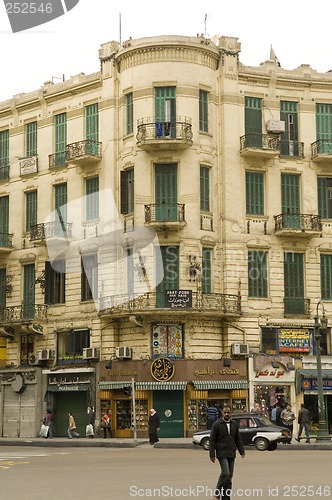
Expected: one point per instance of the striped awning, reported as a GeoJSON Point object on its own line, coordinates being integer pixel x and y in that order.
{"type": "Point", "coordinates": [220, 384]}
{"type": "Point", "coordinates": [143, 386]}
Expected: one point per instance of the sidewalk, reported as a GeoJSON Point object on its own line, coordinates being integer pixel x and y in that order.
{"type": "Point", "coordinates": [131, 443]}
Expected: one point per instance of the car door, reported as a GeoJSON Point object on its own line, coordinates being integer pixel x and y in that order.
{"type": "Point", "coordinates": [247, 426]}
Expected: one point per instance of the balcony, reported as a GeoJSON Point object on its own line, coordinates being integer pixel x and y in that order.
{"type": "Point", "coordinates": [22, 314]}
{"type": "Point", "coordinates": [224, 305]}
{"type": "Point", "coordinates": [57, 160]}
{"type": "Point", "coordinates": [155, 135]}
{"type": "Point", "coordinates": [297, 307]}
{"type": "Point", "coordinates": [321, 151]}
{"type": "Point", "coordinates": [260, 145]}
{"type": "Point", "coordinates": [165, 216]}
{"type": "Point", "coordinates": [4, 173]}
{"type": "Point", "coordinates": [84, 153]}
{"type": "Point", "coordinates": [292, 148]}
{"type": "Point", "coordinates": [50, 231]}
{"type": "Point", "coordinates": [302, 225]}
{"type": "Point", "coordinates": [6, 244]}
{"type": "Point", "coordinates": [28, 165]}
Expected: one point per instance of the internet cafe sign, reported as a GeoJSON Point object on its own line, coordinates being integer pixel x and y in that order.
{"type": "Point", "coordinates": [294, 340]}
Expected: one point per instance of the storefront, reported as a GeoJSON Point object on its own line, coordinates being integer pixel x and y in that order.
{"type": "Point", "coordinates": [69, 390]}
{"type": "Point", "coordinates": [272, 381]}
{"type": "Point", "coordinates": [179, 390]}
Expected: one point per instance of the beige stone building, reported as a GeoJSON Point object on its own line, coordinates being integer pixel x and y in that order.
{"type": "Point", "coordinates": [165, 226]}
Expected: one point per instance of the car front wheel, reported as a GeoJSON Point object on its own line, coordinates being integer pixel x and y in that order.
{"type": "Point", "coordinates": [205, 443]}
{"type": "Point", "coordinates": [261, 444]}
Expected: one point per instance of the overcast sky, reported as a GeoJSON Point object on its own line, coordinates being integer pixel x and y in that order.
{"type": "Point", "coordinates": [299, 32]}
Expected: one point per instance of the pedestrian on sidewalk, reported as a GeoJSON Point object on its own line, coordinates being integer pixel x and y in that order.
{"type": "Point", "coordinates": [90, 423]}
{"type": "Point", "coordinates": [48, 421]}
{"type": "Point", "coordinates": [288, 417]}
{"type": "Point", "coordinates": [224, 440]}
{"type": "Point", "coordinates": [303, 420]}
{"type": "Point", "coordinates": [72, 427]}
{"type": "Point", "coordinates": [154, 423]}
{"type": "Point", "coordinates": [212, 415]}
{"type": "Point", "coordinates": [106, 424]}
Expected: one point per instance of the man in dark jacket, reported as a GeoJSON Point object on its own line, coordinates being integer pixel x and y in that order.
{"type": "Point", "coordinates": [303, 420]}
{"type": "Point", "coordinates": [224, 440]}
{"type": "Point", "coordinates": [154, 424]}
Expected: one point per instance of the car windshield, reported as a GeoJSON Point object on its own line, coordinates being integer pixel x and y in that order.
{"type": "Point", "coordinates": [264, 419]}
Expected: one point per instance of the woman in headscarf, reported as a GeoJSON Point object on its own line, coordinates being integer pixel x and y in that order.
{"type": "Point", "coordinates": [154, 423]}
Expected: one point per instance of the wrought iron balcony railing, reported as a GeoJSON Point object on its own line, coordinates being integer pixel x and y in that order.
{"type": "Point", "coordinates": [28, 165]}
{"type": "Point", "coordinates": [6, 240]}
{"type": "Point", "coordinates": [292, 148]}
{"type": "Point", "coordinates": [260, 142]}
{"type": "Point", "coordinates": [25, 312]}
{"type": "Point", "coordinates": [57, 159]}
{"type": "Point", "coordinates": [212, 302]}
{"type": "Point", "coordinates": [321, 147]}
{"type": "Point", "coordinates": [297, 306]}
{"type": "Point", "coordinates": [297, 222]}
{"type": "Point", "coordinates": [54, 229]}
{"type": "Point", "coordinates": [152, 131]}
{"type": "Point", "coordinates": [4, 173]}
{"type": "Point", "coordinates": [164, 212]}
{"type": "Point", "coordinates": [80, 150]}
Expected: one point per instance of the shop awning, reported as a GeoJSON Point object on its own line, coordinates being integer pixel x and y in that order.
{"type": "Point", "coordinates": [204, 385]}
{"type": "Point", "coordinates": [143, 386]}
{"type": "Point", "coordinates": [312, 373]}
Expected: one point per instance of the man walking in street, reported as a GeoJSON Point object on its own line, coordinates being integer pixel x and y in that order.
{"type": "Point", "coordinates": [224, 440]}
{"type": "Point", "coordinates": [303, 420]}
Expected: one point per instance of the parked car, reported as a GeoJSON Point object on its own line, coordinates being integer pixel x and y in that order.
{"type": "Point", "coordinates": [255, 429]}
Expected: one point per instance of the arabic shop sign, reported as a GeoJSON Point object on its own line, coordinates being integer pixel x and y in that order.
{"type": "Point", "coordinates": [294, 340]}
{"type": "Point", "coordinates": [162, 369]}
{"type": "Point", "coordinates": [211, 371]}
{"type": "Point", "coordinates": [270, 373]}
{"type": "Point", "coordinates": [68, 383]}
{"type": "Point", "coordinates": [179, 299]}
{"type": "Point", "coordinates": [310, 384]}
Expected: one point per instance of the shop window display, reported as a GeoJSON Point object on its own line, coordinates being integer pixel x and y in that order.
{"type": "Point", "coordinates": [197, 416]}
{"type": "Point", "coordinates": [267, 396]}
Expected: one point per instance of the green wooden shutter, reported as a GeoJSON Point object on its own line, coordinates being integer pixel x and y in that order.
{"type": "Point", "coordinates": [29, 291]}
{"type": "Point", "coordinates": [92, 198]}
{"type": "Point", "coordinates": [294, 283]}
{"type": "Point", "coordinates": [257, 274]}
{"type": "Point", "coordinates": [254, 193]}
{"type": "Point", "coordinates": [31, 139]}
{"type": "Point", "coordinates": [4, 148]}
{"type": "Point", "coordinates": [165, 111]}
{"type": "Point", "coordinates": [203, 111]}
{"type": "Point", "coordinates": [60, 204]}
{"type": "Point", "coordinates": [322, 197]}
{"type": "Point", "coordinates": [290, 200]}
{"type": "Point", "coordinates": [253, 122]}
{"type": "Point", "coordinates": [289, 138]}
{"type": "Point", "coordinates": [129, 114]}
{"type": "Point", "coordinates": [166, 192]}
{"type": "Point", "coordinates": [30, 209]}
{"type": "Point", "coordinates": [206, 270]}
{"type": "Point", "coordinates": [326, 276]}
{"type": "Point", "coordinates": [127, 191]}
{"type": "Point", "coordinates": [49, 289]}
{"type": "Point", "coordinates": [60, 138]}
{"type": "Point", "coordinates": [170, 281]}
{"type": "Point", "coordinates": [3, 297]}
{"type": "Point", "coordinates": [4, 221]}
{"type": "Point", "coordinates": [324, 127]}
{"type": "Point", "coordinates": [92, 128]}
{"type": "Point", "coordinates": [205, 188]}
{"type": "Point", "coordinates": [89, 277]}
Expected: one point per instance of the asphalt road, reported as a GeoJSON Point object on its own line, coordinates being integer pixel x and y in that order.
{"type": "Point", "coordinates": [147, 472]}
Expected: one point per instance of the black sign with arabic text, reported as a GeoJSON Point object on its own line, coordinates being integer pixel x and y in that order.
{"type": "Point", "coordinates": [179, 299]}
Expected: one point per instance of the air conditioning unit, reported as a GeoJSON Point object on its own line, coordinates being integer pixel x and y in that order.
{"type": "Point", "coordinates": [33, 360]}
{"type": "Point", "coordinates": [45, 354]}
{"type": "Point", "coordinates": [275, 126]}
{"type": "Point", "coordinates": [123, 352]}
{"type": "Point", "coordinates": [90, 353]}
{"type": "Point", "coordinates": [240, 349]}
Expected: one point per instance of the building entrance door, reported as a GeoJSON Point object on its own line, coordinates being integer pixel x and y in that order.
{"type": "Point", "coordinates": [169, 406]}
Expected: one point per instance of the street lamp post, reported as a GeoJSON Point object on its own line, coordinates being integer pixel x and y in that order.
{"type": "Point", "coordinates": [322, 433]}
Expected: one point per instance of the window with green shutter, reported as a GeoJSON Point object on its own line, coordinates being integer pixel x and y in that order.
{"type": "Point", "coordinates": [324, 127]}
{"type": "Point", "coordinates": [326, 277]}
{"type": "Point", "coordinates": [92, 197]}
{"type": "Point", "coordinates": [165, 112]}
{"type": "Point", "coordinates": [29, 291]}
{"type": "Point", "coordinates": [129, 114]}
{"type": "Point", "coordinates": [31, 139]}
{"type": "Point", "coordinates": [92, 122]}
{"type": "Point", "coordinates": [290, 200]}
{"type": "Point", "coordinates": [60, 206]}
{"type": "Point", "coordinates": [324, 187]}
{"type": "Point", "coordinates": [60, 124]}
{"type": "Point", "coordinates": [289, 139]}
{"type": "Point", "coordinates": [294, 283]}
{"type": "Point", "coordinates": [89, 277]}
{"type": "Point", "coordinates": [168, 276]}
{"type": "Point", "coordinates": [253, 121]}
{"type": "Point", "coordinates": [127, 191]}
{"type": "Point", "coordinates": [205, 188]}
{"type": "Point", "coordinates": [257, 274]}
{"type": "Point", "coordinates": [30, 209]}
{"type": "Point", "coordinates": [55, 282]}
{"type": "Point", "coordinates": [4, 221]}
{"type": "Point", "coordinates": [206, 270]}
{"type": "Point", "coordinates": [254, 193]}
{"type": "Point", "coordinates": [3, 279]}
{"type": "Point", "coordinates": [4, 148]}
{"type": "Point", "coordinates": [203, 111]}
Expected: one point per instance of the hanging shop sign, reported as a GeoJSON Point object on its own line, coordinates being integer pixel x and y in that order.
{"type": "Point", "coordinates": [179, 299]}
{"type": "Point", "coordinates": [294, 340]}
{"type": "Point", "coordinates": [310, 384]}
